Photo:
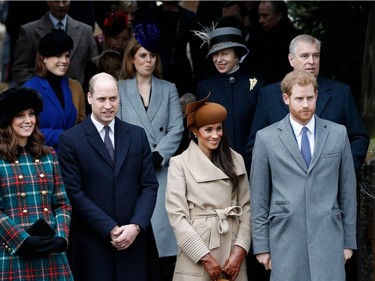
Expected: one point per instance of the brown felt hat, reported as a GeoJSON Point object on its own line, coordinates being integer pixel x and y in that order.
{"type": "Point", "coordinates": [202, 113]}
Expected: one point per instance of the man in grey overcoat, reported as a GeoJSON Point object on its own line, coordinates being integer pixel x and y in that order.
{"type": "Point", "coordinates": [303, 212]}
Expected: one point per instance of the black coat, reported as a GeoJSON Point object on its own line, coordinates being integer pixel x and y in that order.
{"type": "Point", "coordinates": [104, 194]}
{"type": "Point", "coordinates": [233, 91]}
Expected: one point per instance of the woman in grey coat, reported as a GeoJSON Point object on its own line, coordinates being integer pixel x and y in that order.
{"type": "Point", "coordinates": [152, 103]}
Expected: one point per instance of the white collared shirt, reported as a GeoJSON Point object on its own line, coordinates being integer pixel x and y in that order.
{"type": "Point", "coordinates": [100, 127]}
{"type": "Point", "coordinates": [297, 129]}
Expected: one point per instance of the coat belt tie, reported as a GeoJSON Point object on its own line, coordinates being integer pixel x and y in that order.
{"type": "Point", "coordinates": [220, 223]}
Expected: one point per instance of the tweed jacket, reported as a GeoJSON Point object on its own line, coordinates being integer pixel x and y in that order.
{"type": "Point", "coordinates": [303, 216]}
{"type": "Point", "coordinates": [54, 119]}
{"type": "Point", "coordinates": [206, 213]}
{"type": "Point", "coordinates": [32, 189]}
{"type": "Point", "coordinates": [335, 103]}
{"type": "Point", "coordinates": [164, 127]}
{"type": "Point", "coordinates": [84, 48]}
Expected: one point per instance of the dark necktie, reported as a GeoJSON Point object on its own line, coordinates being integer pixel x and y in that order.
{"type": "Point", "coordinates": [305, 147]}
{"type": "Point", "coordinates": [108, 142]}
{"type": "Point", "coordinates": [60, 26]}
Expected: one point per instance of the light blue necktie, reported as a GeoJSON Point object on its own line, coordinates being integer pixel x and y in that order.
{"type": "Point", "coordinates": [305, 147]}
{"type": "Point", "coordinates": [108, 143]}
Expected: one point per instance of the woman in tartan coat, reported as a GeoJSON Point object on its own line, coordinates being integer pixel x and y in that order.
{"type": "Point", "coordinates": [31, 188]}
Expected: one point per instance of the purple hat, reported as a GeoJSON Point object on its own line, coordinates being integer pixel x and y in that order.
{"type": "Point", "coordinates": [148, 35]}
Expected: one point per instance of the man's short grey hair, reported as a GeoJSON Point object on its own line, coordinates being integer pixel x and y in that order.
{"type": "Point", "coordinates": [303, 38]}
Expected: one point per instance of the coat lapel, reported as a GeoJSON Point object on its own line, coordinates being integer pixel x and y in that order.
{"type": "Point", "coordinates": [122, 142]}
{"type": "Point", "coordinates": [73, 31]}
{"type": "Point", "coordinates": [323, 96]}
{"type": "Point", "coordinates": [201, 168]}
{"type": "Point", "coordinates": [156, 98]}
{"type": "Point", "coordinates": [136, 102]}
{"type": "Point", "coordinates": [288, 139]}
{"type": "Point", "coordinates": [321, 135]}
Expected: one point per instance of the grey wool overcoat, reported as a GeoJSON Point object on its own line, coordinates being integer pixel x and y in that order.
{"type": "Point", "coordinates": [163, 124]}
{"type": "Point", "coordinates": [303, 216]}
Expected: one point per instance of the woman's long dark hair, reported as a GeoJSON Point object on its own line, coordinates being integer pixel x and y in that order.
{"type": "Point", "coordinates": [222, 158]}
{"type": "Point", "coordinates": [9, 144]}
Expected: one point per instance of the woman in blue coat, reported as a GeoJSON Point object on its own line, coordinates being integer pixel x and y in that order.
{"type": "Point", "coordinates": [62, 107]}
{"type": "Point", "coordinates": [232, 87]}
{"type": "Point", "coordinates": [32, 191]}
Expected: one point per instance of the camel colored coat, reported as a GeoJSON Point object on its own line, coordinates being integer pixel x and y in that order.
{"type": "Point", "coordinates": [206, 214]}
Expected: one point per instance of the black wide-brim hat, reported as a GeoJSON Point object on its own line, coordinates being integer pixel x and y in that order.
{"type": "Point", "coordinates": [55, 43]}
{"type": "Point", "coordinates": [226, 37]}
{"type": "Point", "coordinates": [15, 100]}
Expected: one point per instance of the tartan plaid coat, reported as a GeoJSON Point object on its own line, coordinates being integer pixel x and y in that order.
{"type": "Point", "coordinates": [32, 189]}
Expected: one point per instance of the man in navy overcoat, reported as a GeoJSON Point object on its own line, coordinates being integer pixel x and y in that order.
{"type": "Point", "coordinates": [112, 198]}
{"type": "Point", "coordinates": [335, 101]}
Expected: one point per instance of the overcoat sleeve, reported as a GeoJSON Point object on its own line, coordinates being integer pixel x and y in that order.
{"type": "Point", "coordinates": [260, 186]}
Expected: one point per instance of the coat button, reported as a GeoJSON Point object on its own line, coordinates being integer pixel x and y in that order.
{"type": "Point", "coordinates": [45, 210]}
{"type": "Point", "coordinates": [23, 194]}
{"type": "Point", "coordinates": [20, 177]}
{"type": "Point", "coordinates": [41, 175]}
{"type": "Point", "coordinates": [161, 129]}
{"type": "Point", "coordinates": [154, 145]}
{"type": "Point", "coordinates": [25, 211]}
{"type": "Point", "coordinates": [44, 192]}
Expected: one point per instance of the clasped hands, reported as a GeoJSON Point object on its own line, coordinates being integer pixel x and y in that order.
{"type": "Point", "coordinates": [123, 236]}
{"type": "Point", "coordinates": [230, 268]}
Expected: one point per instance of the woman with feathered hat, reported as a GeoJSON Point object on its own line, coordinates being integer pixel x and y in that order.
{"type": "Point", "coordinates": [34, 208]}
{"type": "Point", "coordinates": [231, 87]}
{"type": "Point", "coordinates": [208, 201]}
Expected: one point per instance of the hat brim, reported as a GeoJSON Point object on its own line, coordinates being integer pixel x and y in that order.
{"type": "Point", "coordinates": [227, 45]}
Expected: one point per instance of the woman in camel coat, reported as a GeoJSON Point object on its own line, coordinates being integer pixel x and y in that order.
{"type": "Point", "coordinates": [208, 201]}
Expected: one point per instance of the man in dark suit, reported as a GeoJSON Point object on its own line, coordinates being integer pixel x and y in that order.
{"type": "Point", "coordinates": [335, 102]}
{"type": "Point", "coordinates": [84, 47]}
{"type": "Point", "coordinates": [111, 183]}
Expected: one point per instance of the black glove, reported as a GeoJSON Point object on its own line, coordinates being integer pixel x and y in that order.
{"type": "Point", "coordinates": [157, 159]}
{"type": "Point", "coordinates": [32, 244]}
{"type": "Point", "coordinates": [54, 244]}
